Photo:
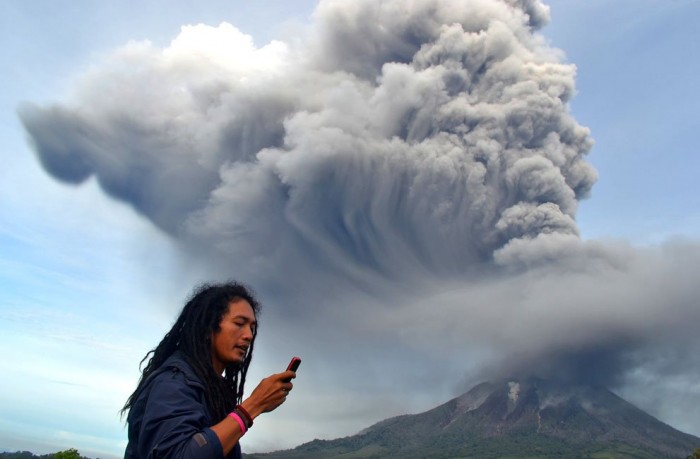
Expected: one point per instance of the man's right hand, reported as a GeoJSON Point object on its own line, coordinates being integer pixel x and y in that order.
{"type": "Point", "coordinates": [269, 394]}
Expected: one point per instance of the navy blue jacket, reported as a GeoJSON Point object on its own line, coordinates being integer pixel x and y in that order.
{"type": "Point", "coordinates": [170, 418]}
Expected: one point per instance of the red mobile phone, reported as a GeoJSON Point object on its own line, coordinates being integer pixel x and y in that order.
{"type": "Point", "coordinates": [294, 364]}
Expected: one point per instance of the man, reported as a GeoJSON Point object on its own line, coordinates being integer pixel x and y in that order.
{"type": "Point", "coordinates": [189, 399]}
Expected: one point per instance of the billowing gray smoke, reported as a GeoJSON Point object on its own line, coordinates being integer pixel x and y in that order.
{"type": "Point", "coordinates": [413, 162]}
{"type": "Point", "coordinates": [424, 137]}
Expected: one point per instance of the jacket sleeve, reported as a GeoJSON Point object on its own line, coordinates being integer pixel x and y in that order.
{"type": "Point", "coordinates": [175, 422]}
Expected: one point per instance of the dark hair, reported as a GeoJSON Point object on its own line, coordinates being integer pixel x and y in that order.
{"type": "Point", "coordinates": [191, 335]}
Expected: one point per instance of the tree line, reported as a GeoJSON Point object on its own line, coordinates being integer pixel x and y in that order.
{"type": "Point", "coordinates": [70, 453]}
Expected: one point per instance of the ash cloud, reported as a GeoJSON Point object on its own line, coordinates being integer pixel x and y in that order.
{"type": "Point", "coordinates": [452, 140]}
{"type": "Point", "coordinates": [408, 175]}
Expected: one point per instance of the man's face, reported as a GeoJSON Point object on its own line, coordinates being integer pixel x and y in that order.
{"type": "Point", "coordinates": [230, 344]}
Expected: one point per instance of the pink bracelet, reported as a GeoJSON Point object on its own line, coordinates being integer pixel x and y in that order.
{"type": "Point", "coordinates": [245, 416]}
{"type": "Point", "coordinates": [238, 419]}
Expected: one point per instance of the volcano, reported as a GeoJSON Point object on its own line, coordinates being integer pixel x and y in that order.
{"type": "Point", "coordinates": [531, 418]}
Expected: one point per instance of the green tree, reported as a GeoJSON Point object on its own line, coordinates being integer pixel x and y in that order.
{"type": "Point", "coordinates": [696, 454]}
{"type": "Point", "coordinates": [71, 453]}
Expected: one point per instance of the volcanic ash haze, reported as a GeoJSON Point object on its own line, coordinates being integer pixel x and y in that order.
{"type": "Point", "coordinates": [405, 175]}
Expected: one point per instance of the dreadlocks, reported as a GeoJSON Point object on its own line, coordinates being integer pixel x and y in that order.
{"type": "Point", "coordinates": [191, 335]}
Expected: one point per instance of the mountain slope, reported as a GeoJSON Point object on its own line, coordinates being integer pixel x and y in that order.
{"type": "Point", "coordinates": [532, 418]}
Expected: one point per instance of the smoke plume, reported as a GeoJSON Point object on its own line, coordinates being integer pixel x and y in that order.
{"type": "Point", "coordinates": [405, 177]}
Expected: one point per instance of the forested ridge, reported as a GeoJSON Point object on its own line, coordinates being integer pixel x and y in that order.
{"type": "Point", "coordinates": [71, 453]}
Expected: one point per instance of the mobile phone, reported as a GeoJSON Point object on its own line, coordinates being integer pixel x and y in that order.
{"type": "Point", "coordinates": [294, 364]}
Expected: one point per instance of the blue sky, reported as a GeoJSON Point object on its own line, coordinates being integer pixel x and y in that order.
{"type": "Point", "coordinates": [637, 84]}
{"type": "Point", "coordinates": [87, 286]}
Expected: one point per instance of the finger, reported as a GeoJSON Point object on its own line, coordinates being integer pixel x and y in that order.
{"type": "Point", "coordinates": [287, 375]}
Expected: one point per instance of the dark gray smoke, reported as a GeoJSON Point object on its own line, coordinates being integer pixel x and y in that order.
{"type": "Point", "coordinates": [409, 175]}
{"type": "Point", "coordinates": [423, 139]}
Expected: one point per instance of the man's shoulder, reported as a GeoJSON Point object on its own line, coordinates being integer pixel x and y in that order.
{"type": "Point", "coordinates": [176, 370]}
